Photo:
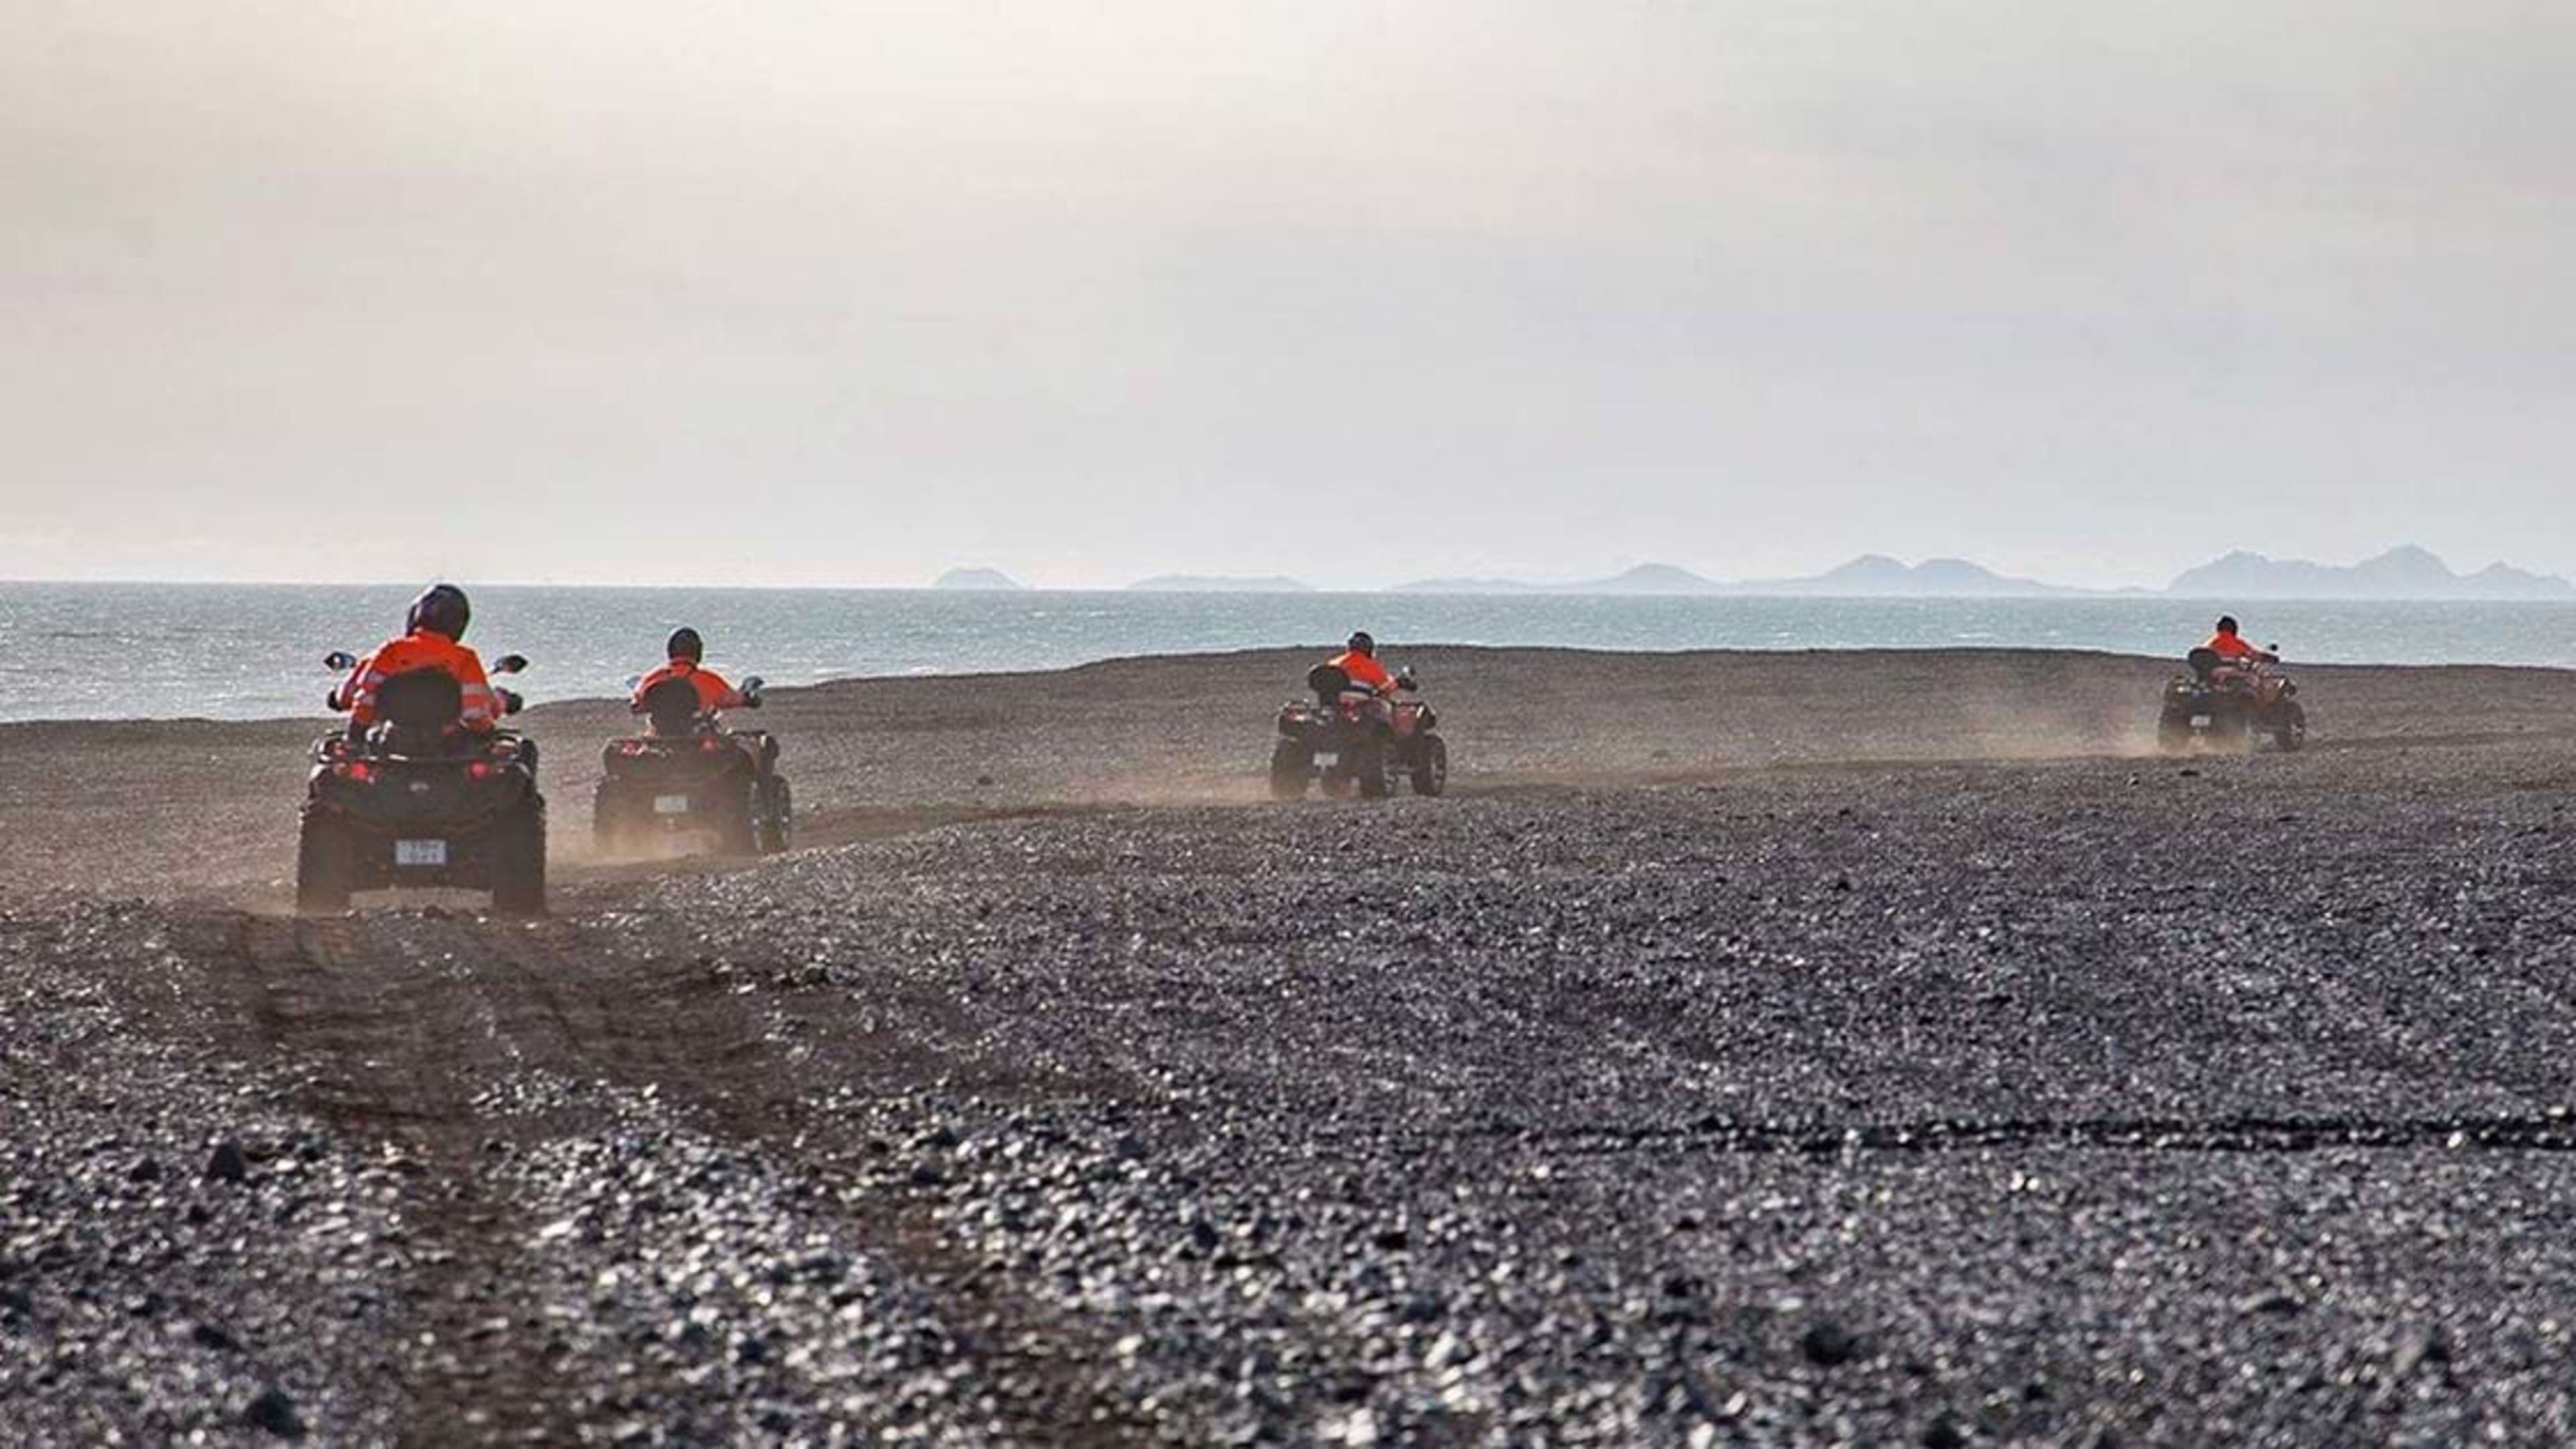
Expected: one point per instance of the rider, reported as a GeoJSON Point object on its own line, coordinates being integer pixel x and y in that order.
{"type": "Point", "coordinates": [1359, 662]}
{"type": "Point", "coordinates": [2231, 647]}
{"type": "Point", "coordinates": [685, 650]}
{"type": "Point", "coordinates": [431, 631]}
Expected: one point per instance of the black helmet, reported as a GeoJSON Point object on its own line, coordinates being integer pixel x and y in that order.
{"type": "Point", "coordinates": [2227, 623]}
{"type": "Point", "coordinates": [685, 644]}
{"type": "Point", "coordinates": [441, 609]}
{"type": "Point", "coordinates": [1363, 643]}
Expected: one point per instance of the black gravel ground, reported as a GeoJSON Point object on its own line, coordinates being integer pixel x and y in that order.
{"type": "Point", "coordinates": [2101, 1100]}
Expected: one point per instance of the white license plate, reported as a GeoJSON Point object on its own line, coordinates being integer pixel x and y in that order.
{"type": "Point", "coordinates": [670, 804]}
{"type": "Point", "coordinates": [2200, 721]}
{"type": "Point", "coordinates": [420, 852]}
{"type": "Point", "coordinates": [1327, 759]}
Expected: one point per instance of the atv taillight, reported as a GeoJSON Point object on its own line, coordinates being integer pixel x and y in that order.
{"type": "Point", "coordinates": [708, 746]}
{"type": "Point", "coordinates": [357, 770]}
{"type": "Point", "coordinates": [630, 747]}
{"type": "Point", "coordinates": [480, 769]}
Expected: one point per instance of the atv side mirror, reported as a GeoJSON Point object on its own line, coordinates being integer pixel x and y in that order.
{"type": "Point", "coordinates": [341, 660]}
{"type": "Point", "coordinates": [510, 664]}
{"type": "Point", "coordinates": [751, 683]}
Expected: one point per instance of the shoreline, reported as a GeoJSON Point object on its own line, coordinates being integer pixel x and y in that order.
{"type": "Point", "coordinates": [1858, 654]}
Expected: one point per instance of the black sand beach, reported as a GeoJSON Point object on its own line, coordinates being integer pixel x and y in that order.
{"type": "Point", "coordinates": [1753, 1048]}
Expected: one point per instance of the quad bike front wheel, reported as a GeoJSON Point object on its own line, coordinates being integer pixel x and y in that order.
{"type": "Point", "coordinates": [1430, 766]}
{"type": "Point", "coordinates": [1291, 765]}
{"type": "Point", "coordinates": [321, 866]}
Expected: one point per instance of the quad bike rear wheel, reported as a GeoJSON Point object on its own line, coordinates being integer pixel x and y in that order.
{"type": "Point", "coordinates": [777, 816]}
{"type": "Point", "coordinates": [739, 831]}
{"type": "Point", "coordinates": [1430, 765]}
{"type": "Point", "coordinates": [2293, 730]}
{"type": "Point", "coordinates": [1291, 765]}
{"type": "Point", "coordinates": [321, 866]}
{"type": "Point", "coordinates": [518, 857]}
{"type": "Point", "coordinates": [2173, 730]}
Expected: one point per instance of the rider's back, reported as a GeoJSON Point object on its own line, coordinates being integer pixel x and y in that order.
{"type": "Point", "coordinates": [416, 651]}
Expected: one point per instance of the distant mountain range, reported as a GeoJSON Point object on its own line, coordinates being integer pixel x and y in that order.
{"type": "Point", "coordinates": [1871, 575]}
{"type": "Point", "coordinates": [1876, 575]}
{"type": "Point", "coordinates": [2406, 572]}
{"type": "Point", "coordinates": [2401, 573]}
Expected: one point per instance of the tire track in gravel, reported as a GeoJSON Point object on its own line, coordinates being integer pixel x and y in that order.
{"type": "Point", "coordinates": [438, 1033]}
{"type": "Point", "coordinates": [394, 1052]}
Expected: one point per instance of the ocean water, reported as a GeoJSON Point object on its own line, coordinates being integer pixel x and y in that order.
{"type": "Point", "coordinates": [106, 651]}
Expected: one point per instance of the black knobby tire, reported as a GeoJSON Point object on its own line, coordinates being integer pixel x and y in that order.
{"type": "Point", "coordinates": [321, 866]}
{"type": "Point", "coordinates": [518, 859]}
{"type": "Point", "coordinates": [778, 816]}
{"type": "Point", "coordinates": [1291, 766]}
{"type": "Point", "coordinates": [2293, 731]}
{"type": "Point", "coordinates": [739, 834]}
{"type": "Point", "coordinates": [1430, 765]}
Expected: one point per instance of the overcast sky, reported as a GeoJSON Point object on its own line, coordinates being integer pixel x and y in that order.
{"type": "Point", "coordinates": [633, 291]}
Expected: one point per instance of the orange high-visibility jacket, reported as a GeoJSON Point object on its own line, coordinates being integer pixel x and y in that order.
{"type": "Point", "coordinates": [1365, 672]}
{"type": "Point", "coordinates": [713, 693]}
{"type": "Point", "coordinates": [2231, 646]}
{"type": "Point", "coordinates": [415, 651]}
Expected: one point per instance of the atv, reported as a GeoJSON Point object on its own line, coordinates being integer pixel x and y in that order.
{"type": "Point", "coordinates": [690, 779]}
{"type": "Point", "coordinates": [417, 800]}
{"type": "Point", "coordinates": [1350, 739]}
{"type": "Point", "coordinates": [2223, 703]}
